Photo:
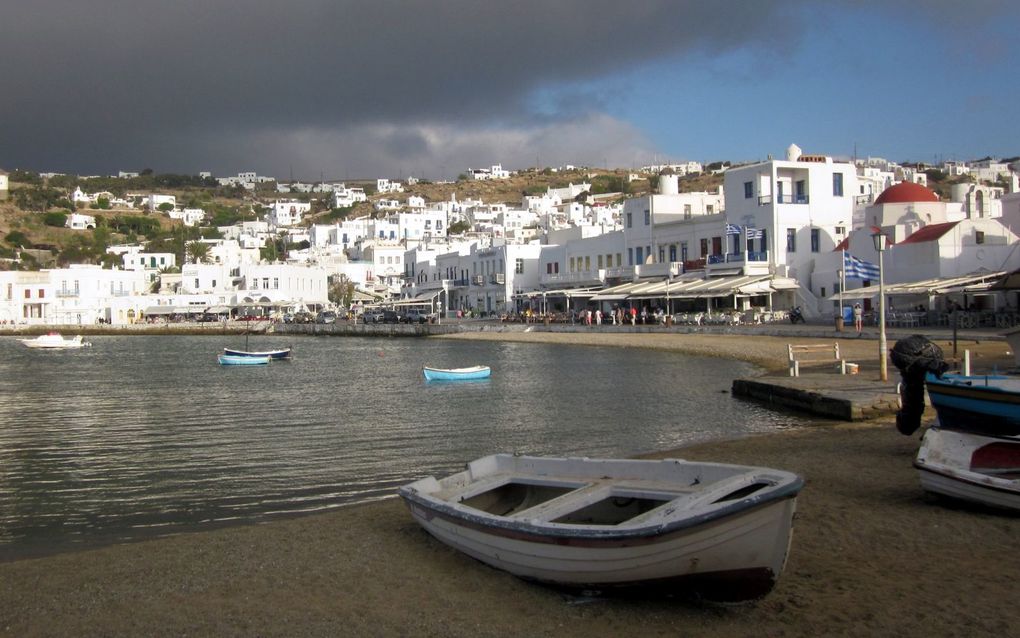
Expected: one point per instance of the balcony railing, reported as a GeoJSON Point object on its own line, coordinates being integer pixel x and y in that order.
{"type": "Point", "coordinates": [461, 283]}
{"type": "Point", "coordinates": [766, 200]}
{"type": "Point", "coordinates": [67, 293]}
{"type": "Point", "coordinates": [751, 256]}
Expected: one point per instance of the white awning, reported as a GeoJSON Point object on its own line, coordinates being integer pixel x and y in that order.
{"type": "Point", "coordinates": [974, 282]}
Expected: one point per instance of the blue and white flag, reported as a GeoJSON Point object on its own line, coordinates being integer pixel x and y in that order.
{"type": "Point", "coordinates": [753, 233]}
{"type": "Point", "coordinates": [732, 229]}
{"type": "Point", "coordinates": [855, 268]}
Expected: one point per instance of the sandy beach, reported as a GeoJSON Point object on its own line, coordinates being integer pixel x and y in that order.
{"type": "Point", "coordinates": [871, 555]}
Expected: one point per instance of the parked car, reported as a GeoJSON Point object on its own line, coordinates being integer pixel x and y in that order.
{"type": "Point", "coordinates": [304, 317]}
{"type": "Point", "coordinates": [371, 316]}
{"type": "Point", "coordinates": [390, 316]}
{"type": "Point", "coordinates": [326, 316]}
{"type": "Point", "coordinates": [417, 316]}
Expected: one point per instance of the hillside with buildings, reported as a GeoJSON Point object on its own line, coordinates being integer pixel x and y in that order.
{"type": "Point", "coordinates": [719, 240]}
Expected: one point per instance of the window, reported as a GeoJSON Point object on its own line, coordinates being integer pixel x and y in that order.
{"type": "Point", "coordinates": [609, 260]}
{"type": "Point", "coordinates": [28, 293]}
{"type": "Point", "coordinates": [709, 209]}
{"type": "Point", "coordinates": [748, 190]}
{"type": "Point", "coordinates": [840, 230]}
{"type": "Point", "coordinates": [687, 211]}
{"type": "Point", "coordinates": [648, 217]}
{"type": "Point", "coordinates": [548, 268]}
{"type": "Point", "coordinates": [704, 248]}
{"type": "Point", "coordinates": [630, 256]}
{"type": "Point", "coordinates": [276, 283]}
{"type": "Point", "coordinates": [600, 262]}
{"type": "Point", "coordinates": [619, 260]}
{"type": "Point", "coordinates": [979, 237]}
{"type": "Point", "coordinates": [717, 246]}
{"type": "Point", "coordinates": [837, 184]}
{"type": "Point", "coordinates": [639, 255]}
{"type": "Point", "coordinates": [197, 283]}
{"type": "Point", "coordinates": [662, 254]}
{"type": "Point", "coordinates": [587, 263]}
{"type": "Point", "coordinates": [815, 240]}
{"type": "Point", "coordinates": [519, 266]}
{"type": "Point", "coordinates": [672, 253]}
{"type": "Point", "coordinates": [791, 240]}
{"type": "Point", "coordinates": [572, 265]}
{"type": "Point", "coordinates": [823, 291]}
{"type": "Point", "coordinates": [630, 220]}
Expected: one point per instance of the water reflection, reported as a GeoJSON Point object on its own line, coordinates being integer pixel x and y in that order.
{"type": "Point", "coordinates": [144, 435]}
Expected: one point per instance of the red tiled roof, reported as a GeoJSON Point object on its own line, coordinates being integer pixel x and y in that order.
{"type": "Point", "coordinates": [906, 192]}
{"type": "Point", "coordinates": [931, 232]}
{"type": "Point", "coordinates": [843, 245]}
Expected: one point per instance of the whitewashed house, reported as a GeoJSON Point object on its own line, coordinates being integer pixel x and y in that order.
{"type": "Point", "coordinates": [384, 186]}
{"type": "Point", "coordinates": [344, 197]}
{"type": "Point", "coordinates": [5, 184]}
{"type": "Point", "coordinates": [188, 216]}
{"type": "Point", "coordinates": [77, 221]}
{"type": "Point", "coordinates": [287, 212]}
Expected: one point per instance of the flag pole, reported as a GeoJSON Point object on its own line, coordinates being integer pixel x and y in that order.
{"type": "Point", "coordinates": [842, 280]}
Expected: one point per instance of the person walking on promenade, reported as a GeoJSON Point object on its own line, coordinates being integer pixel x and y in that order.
{"type": "Point", "coordinates": [858, 318]}
{"type": "Point", "coordinates": [598, 316]}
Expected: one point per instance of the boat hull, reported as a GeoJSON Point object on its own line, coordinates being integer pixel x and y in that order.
{"type": "Point", "coordinates": [971, 467]}
{"type": "Point", "coordinates": [988, 405]}
{"type": "Point", "coordinates": [283, 353]}
{"type": "Point", "coordinates": [55, 342]}
{"type": "Point", "coordinates": [229, 360]}
{"type": "Point", "coordinates": [727, 550]}
{"type": "Point", "coordinates": [456, 374]}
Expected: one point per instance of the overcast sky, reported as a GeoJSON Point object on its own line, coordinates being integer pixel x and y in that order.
{"type": "Point", "coordinates": [375, 88]}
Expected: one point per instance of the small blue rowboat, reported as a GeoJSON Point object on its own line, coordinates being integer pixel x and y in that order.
{"type": "Point", "coordinates": [988, 404]}
{"type": "Point", "coordinates": [282, 353]}
{"type": "Point", "coordinates": [456, 374]}
{"type": "Point", "coordinates": [232, 360]}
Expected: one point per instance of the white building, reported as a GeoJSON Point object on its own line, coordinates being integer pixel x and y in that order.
{"type": "Point", "coordinates": [383, 186]}
{"type": "Point", "coordinates": [495, 171]}
{"type": "Point", "coordinates": [76, 221]}
{"type": "Point", "coordinates": [344, 197]}
{"type": "Point", "coordinates": [77, 295]}
{"type": "Point", "coordinates": [287, 212]}
{"type": "Point", "coordinates": [188, 216]}
{"type": "Point", "coordinates": [797, 209]}
{"type": "Point", "coordinates": [4, 184]}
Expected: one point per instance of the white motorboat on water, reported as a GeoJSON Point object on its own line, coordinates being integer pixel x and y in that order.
{"type": "Point", "coordinates": [53, 341]}
{"type": "Point", "coordinates": [716, 531]}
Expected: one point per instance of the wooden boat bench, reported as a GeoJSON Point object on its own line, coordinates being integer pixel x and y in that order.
{"type": "Point", "coordinates": [820, 353]}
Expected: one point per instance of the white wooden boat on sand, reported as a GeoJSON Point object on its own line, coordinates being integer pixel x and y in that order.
{"type": "Point", "coordinates": [971, 466]}
{"type": "Point", "coordinates": [53, 341]}
{"type": "Point", "coordinates": [720, 532]}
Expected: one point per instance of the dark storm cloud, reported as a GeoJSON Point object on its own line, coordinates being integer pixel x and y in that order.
{"type": "Point", "coordinates": [205, 84]}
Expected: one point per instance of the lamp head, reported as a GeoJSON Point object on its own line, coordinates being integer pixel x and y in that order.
{"type": "Point", "coordinates": [881, 241]}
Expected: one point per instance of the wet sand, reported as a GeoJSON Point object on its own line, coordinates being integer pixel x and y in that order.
{"type": "Point", "coordinates": [871, 555]}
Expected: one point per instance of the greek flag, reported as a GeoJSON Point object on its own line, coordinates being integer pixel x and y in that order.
{"type": "Point", "coordinates": [753, 233]}
{"type": "Point", "coordinates": [858, 268]}
{"type": "Point", "coordinates": [732, 229]}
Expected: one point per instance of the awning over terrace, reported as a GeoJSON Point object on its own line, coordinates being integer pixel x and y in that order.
{"type": "Point", "coordinates": [697, 288]}
{"type": "Point", "coordinates": [972, 283]}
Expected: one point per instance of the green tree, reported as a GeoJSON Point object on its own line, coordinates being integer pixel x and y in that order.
{"type": "Point", "coordinates": [165, 207]}
{"type": "Point", "coordinates": [458, 228]}
{"type": "Point", "coordinates": [198, 251]}
{"type": "Point", "coordinates": [341, 291]}
{"type": "Point", "coordinates": [56, 219]}
{"type": "Point", "coordinates": [17, 238]}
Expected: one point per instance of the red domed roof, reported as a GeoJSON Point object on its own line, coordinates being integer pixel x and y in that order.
{"type": "Point", "coordinates": [906, 192]}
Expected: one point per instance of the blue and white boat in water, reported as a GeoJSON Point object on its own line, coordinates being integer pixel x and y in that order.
{"type": "Point", "coordinates": [457, 374]}
{"type": "Point", "coordinates": [234, 360]}
{"type": "Point", "coordinates": [281, 353]}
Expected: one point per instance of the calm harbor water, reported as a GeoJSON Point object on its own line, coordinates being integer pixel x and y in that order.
{"type": "Point", "coordinates": [146, 435]}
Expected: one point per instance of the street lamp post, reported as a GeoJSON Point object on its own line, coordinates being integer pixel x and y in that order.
{"type": "Point", "coordinates": [881, 245]}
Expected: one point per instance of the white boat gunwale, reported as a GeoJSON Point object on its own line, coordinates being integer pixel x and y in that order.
{"type": "Point", "coordinates": [280, 353]}
{"type": "Point", "coordinates": [779, 486]}
{"type": "Point", "coordinates": [467, 370]}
